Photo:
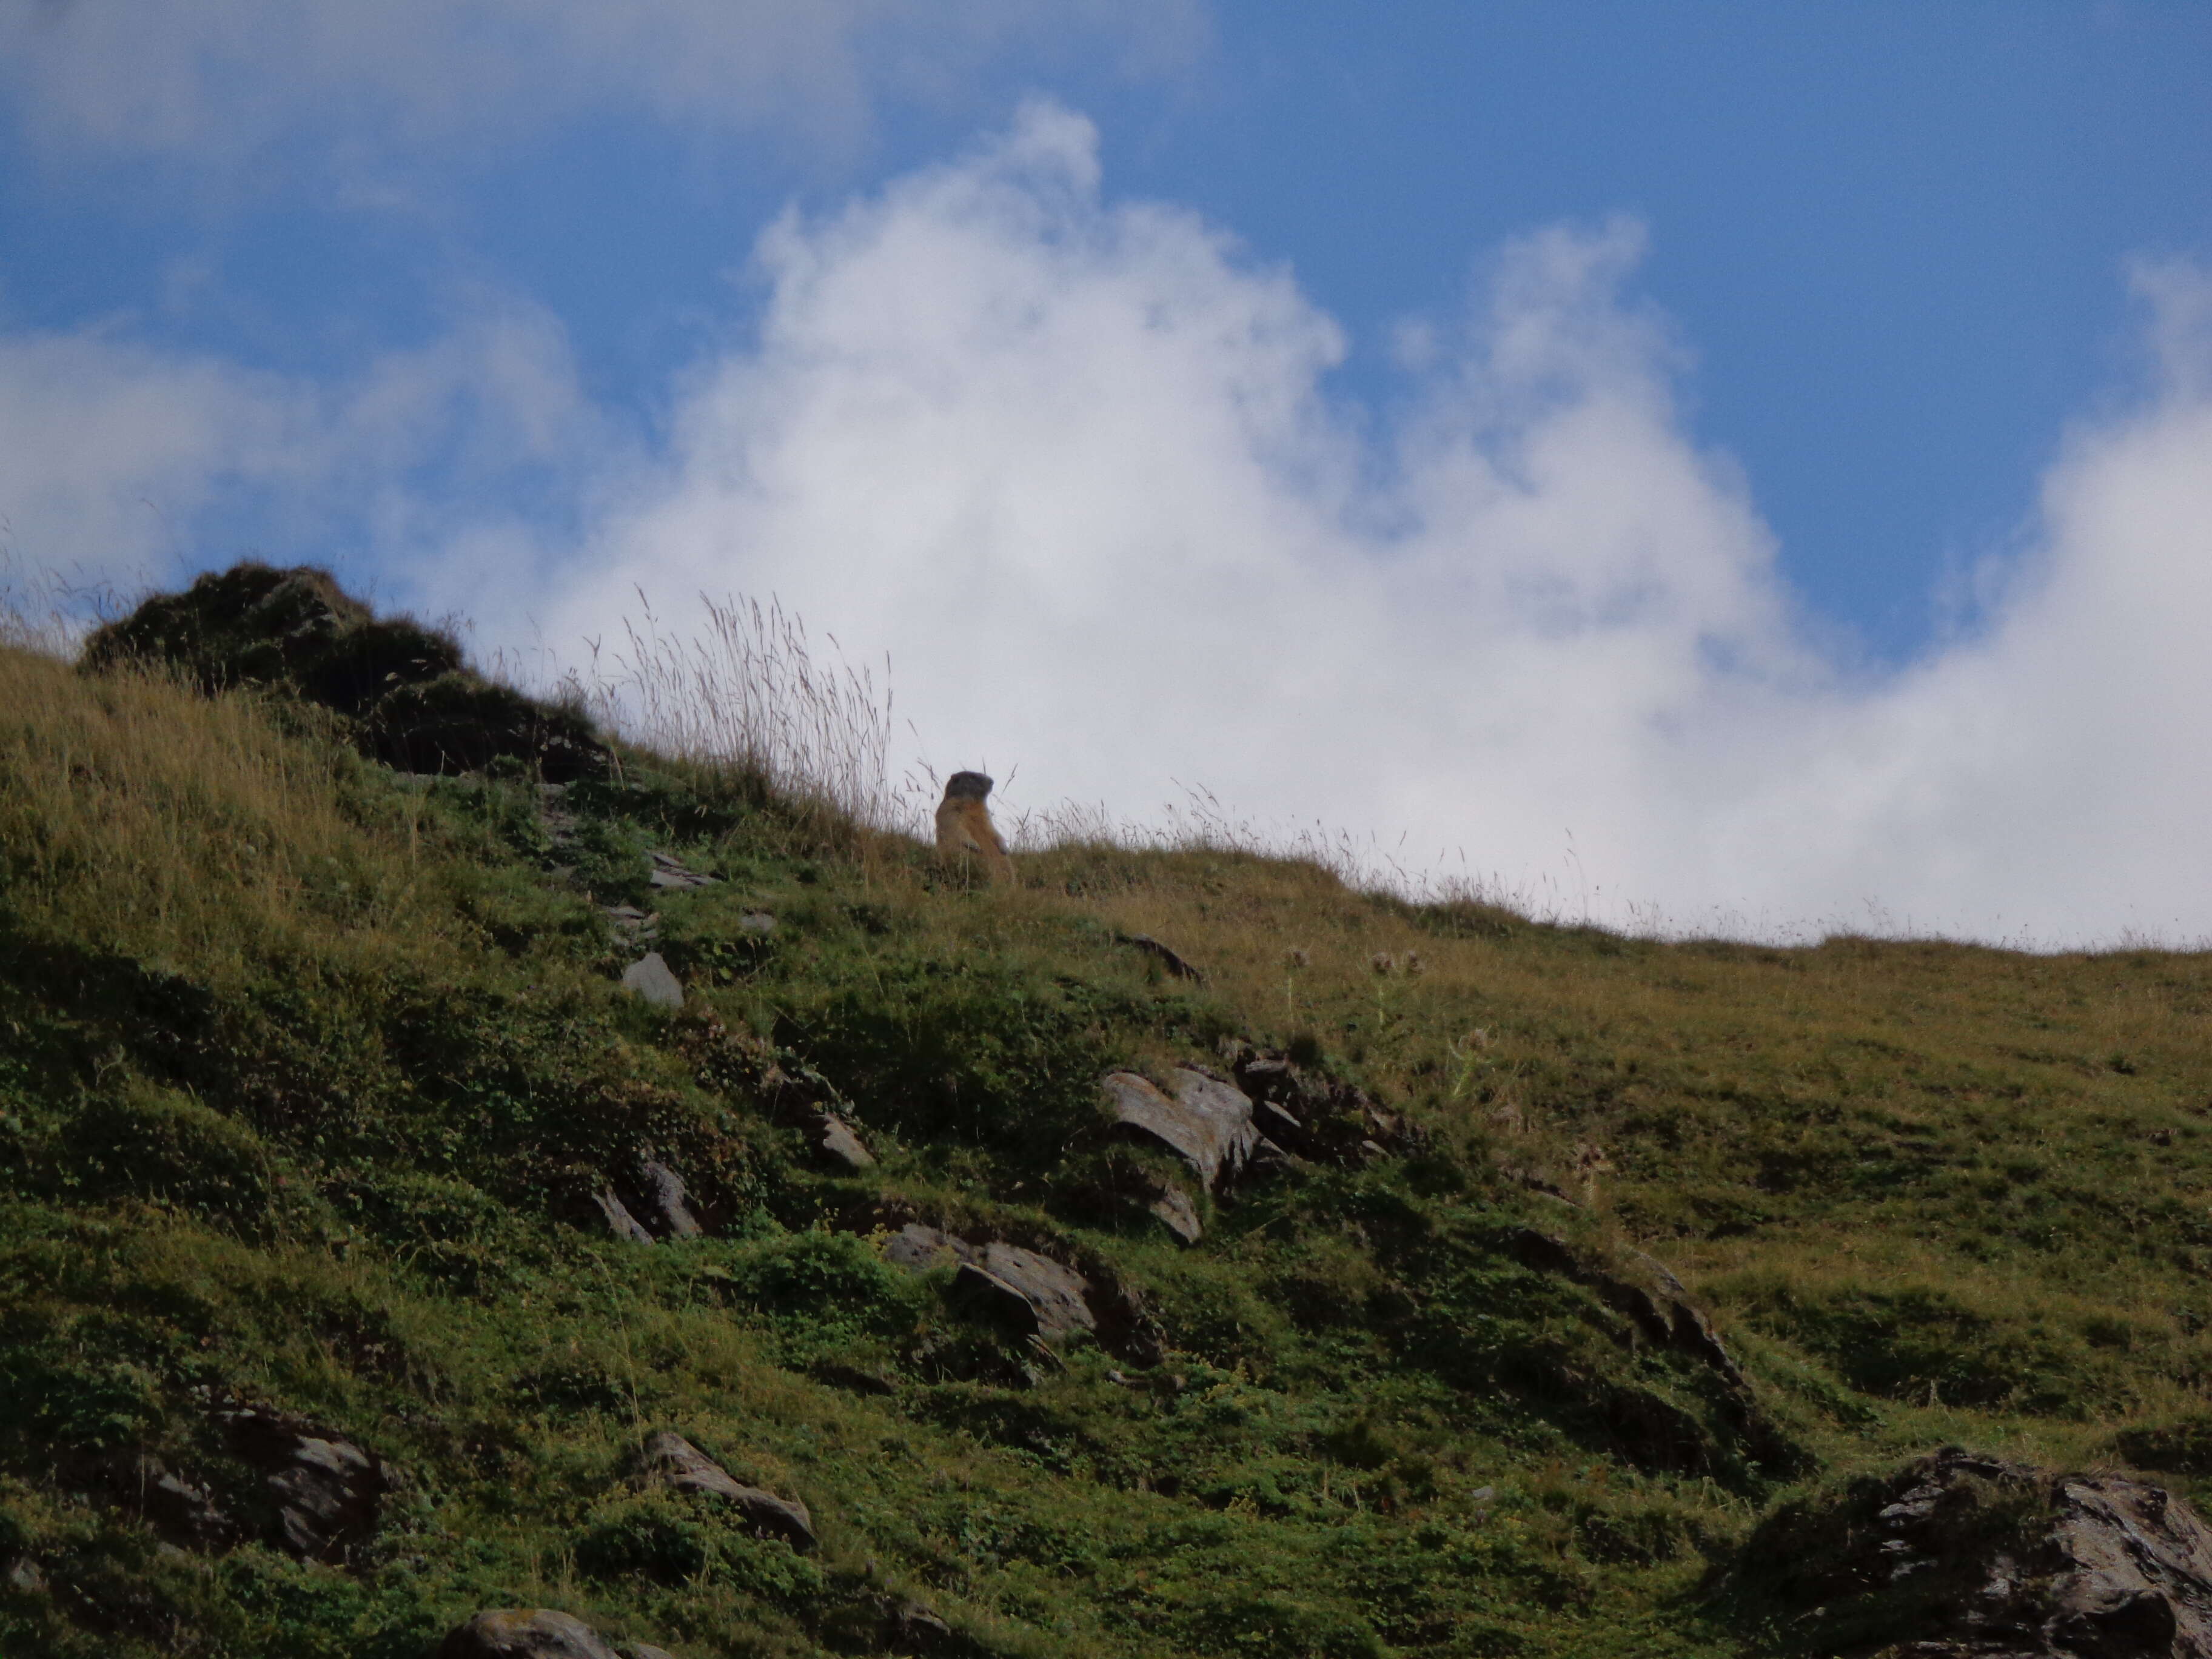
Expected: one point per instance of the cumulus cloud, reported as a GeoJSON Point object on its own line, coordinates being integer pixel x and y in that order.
{"type": "Point", "coordinates": [1075, 466]}
{"type": "Point", "coordinates": [217, 78]}
{"type": "Point", "coordinates": [123, 464]}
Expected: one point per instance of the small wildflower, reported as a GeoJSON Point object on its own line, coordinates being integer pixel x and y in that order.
{"type": "Point", "coordinates": [1382, 962]}
{"type": "Point", "coordinates": [1414, 965]}
{"type": "Point", "coordinates": [1298, 958]}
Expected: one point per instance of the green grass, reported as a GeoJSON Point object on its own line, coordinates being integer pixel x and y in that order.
{"type": "Point", "coordinates": [308, 1072]}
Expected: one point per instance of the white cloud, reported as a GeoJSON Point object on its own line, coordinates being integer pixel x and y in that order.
{"type": "Point", "coordinates": [123, 464]}
{"type": "Point", "coordinates": [105, 447]}
{"type": "Point", "coordinates": [1072, 464]}
{"type": "Point", "coordinates": [216, 79]}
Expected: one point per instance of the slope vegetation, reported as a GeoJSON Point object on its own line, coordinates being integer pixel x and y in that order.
{"type": "Point", "coordinates": [364, 1239]}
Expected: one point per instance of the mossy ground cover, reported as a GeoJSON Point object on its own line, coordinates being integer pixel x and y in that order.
{"type": "Point", "coordinates": [309, 1070]}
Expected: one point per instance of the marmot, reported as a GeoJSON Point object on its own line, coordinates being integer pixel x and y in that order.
{"type": "Point", "coordinates": [964, 829]}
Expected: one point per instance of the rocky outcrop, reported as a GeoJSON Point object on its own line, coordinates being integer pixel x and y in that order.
{"type": "Point", "coordinates": [406, 691]}
{"type": "Point", "coordinates": [328, 1491]}
{"type": "Point", "coordinates": [669, 1460]}
{"type": "Point", "coordinates": [1019, 1289]}
{"type": "Point", "coordinates": [1205, 1122]}
{"type": "Point", "coordinates": [1321, 1119]}
{"type": "Point", "coordinates": [1061, 1300]}
{"type": "Point", "coordinates": [1960, 1556]}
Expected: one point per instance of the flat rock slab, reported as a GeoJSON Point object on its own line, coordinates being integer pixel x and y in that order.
{"type": "Point", "coordinates": [525, 1633]}
{"type": "Point", "coordinates": [1055, 1300]}
{"type": "Point", "coordinates": [670, 873]}
{"type": "Point", "coordinates": [620, 1222]}
{"type": "Point", "coordinates": [837, 1143]}
{"type": "Point", "coordinates": [1205, 1122]}
{"type": "Point", "coordinates": [670, 1459]}
{"type": "Point", "coordinates": [649, 977]}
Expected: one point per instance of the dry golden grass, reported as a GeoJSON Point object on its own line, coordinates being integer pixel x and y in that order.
{"type": "Point", "coordinates": [141, 817]}
{"type": "Point", "coordinates": [746, 696]}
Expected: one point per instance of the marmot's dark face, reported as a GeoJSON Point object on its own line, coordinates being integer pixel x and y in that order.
{"type": "Point", "coordinates": [967, 785]}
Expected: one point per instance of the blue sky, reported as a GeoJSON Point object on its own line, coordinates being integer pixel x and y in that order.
{"type": "Point", "coordinates": [473, 301]}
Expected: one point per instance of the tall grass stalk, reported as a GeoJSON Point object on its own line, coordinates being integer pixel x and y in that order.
{"type": "Point", "coordinates": [747, 693]}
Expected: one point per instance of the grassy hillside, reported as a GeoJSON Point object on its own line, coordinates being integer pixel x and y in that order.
{"type": "Point", "coordinates": [313, 1073]}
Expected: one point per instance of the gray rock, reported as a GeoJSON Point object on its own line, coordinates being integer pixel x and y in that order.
{"type": "Point", "coordinates": [1028, 1293]}
{"type": "Point", "coordinates": [620, 1222]}
{"type": "Point", "coordinates": [523, 1633]}
{"type": "Point", "coordinates": [918, 1248]}
{"type": "Point", "coordinates": [758, 923]}
{"type": "Point", "coordinates": [650, 978]}
{"type": "Point", "coordinates": [982, 1295]}
{"type": "Point", "coordinates": [1208, 1123]}
{"type": "Point", "coordinates": [328, 1492]}
{"type": "Point", "coordinates": [23, 1574]}
{"type": "Point", "coordinates": [1178, 1214]}
{"type": "Point", "coordinates": [665, 1198]}
{"type": "Point", "coordinates": [670, 1459]}
{"type": "Point", "coordinates": [1059, 1294]}
{"type": "Point", "coordinates": [670, 873]}
{"type": "Point", "coordinates": [837, 1143]}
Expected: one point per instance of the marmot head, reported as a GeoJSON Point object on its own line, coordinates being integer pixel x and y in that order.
{"type": "Point", "coordinates": [967, 785]}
